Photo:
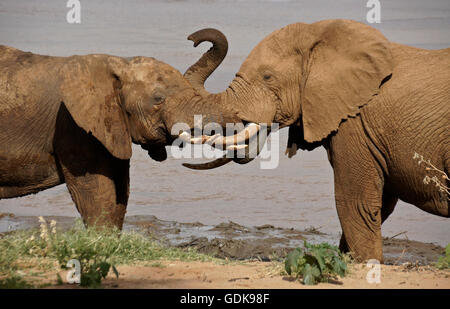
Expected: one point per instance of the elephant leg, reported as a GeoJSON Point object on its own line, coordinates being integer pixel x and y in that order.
{"type": "Point", "coordinates": [359, 186]}
{"type": "Point", "coordinates": [97, 181]}
{"type": "Point", "coordinates": [387, 207]}
{"type": "Point", "coordinates": [360, 216]}
{"type": "Point", "coordinates": [101, 194]}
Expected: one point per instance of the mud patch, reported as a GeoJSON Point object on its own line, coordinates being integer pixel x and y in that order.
{"type": "Point", "coordinates": [263, 250]}
{"type": "Point", "coordinates": [399, 251]}
{"type": "Point", "coordinates": [237, 242]}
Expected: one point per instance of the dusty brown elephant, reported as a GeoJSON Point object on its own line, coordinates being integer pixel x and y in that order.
{"type": "Point", "coordinates": [370, 102]}
{"type": "Point", "coordinates": [72, 120]}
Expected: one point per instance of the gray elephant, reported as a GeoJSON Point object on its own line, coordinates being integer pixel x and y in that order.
{"type": "Point", "coordinates": [72, 120]}
{"type": "Point", "coordinates": [370, 102]}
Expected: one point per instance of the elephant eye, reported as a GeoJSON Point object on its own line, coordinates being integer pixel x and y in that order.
{"type": "Point", "coordinates": [158, 99]}
{"type": "Point", "coordinates": [267, 76]}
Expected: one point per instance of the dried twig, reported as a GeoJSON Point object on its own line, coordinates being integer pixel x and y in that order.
{"type": "Point", "coordinates": [427, 179]}
{"type": "Point", "coordinates": [401, 233]}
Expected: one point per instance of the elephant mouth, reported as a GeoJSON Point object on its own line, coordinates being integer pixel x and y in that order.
{"type": "Point", "coordinates": [156, 151]}
{"type": "Point", "coordinates": [246, 141]}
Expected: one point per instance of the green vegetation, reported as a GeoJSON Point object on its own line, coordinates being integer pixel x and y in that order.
{"type": "Point", "coordinates": [97, 250]}
{"type": "Point", "coordinates": [316, 263]}
{"type": "Point", "coordinates": [444, 261]}
{"type": "Point", "coordinates": [15, 282]}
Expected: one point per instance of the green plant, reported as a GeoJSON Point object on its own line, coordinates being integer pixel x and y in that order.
{"type": "Point", "coordinates": [316, 263]}
{"type": "Point", "coordinates": [15, 282]}
{"type": "Point", "coordinates": [59, 280]}
{"type": "Point", "coordinates": [92, 275]}
{"type": "Point", "coordinates": [444, 261]}
{"type": "Point", "coordinates": [98, 250]}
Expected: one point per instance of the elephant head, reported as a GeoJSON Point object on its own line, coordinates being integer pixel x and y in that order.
{"type": "Point", "coordinates": [310, 77]}
{"type": "Point", "coordinates": [133, 100]}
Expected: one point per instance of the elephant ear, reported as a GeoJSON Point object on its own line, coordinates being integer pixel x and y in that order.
{"type": "Point", "coordinates": [346, 63]}
{"type": "Point", "coordinates": [91, 93]}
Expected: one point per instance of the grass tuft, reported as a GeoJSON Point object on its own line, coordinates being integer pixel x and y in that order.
{"type": "Point", "coordinates": [15, 282]}
{"type": "Point", "coordinates": [444, 261]}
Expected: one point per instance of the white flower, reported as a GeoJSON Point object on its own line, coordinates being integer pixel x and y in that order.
{"type": "Point", "coordinates": [44, 231]}
{"type": "Point", "coordinates": [53, 226]}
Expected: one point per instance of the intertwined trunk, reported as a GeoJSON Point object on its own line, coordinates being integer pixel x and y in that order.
{"type": "Point", "coordinates": [232, 106]}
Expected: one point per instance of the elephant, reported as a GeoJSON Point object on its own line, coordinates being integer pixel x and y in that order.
{"type": "Point", "coordinates": [371, 103]}
{"type": "Point", "coordinates": [73, 119]}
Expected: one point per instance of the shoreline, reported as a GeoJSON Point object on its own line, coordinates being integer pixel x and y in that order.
{"type": "Point", "coordinates": [232, 241]}
{"type": "Point", "coordinates": [157, 254]}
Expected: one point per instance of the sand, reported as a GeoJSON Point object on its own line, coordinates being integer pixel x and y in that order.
{"type": "Point", "coordinates": [257, 275]}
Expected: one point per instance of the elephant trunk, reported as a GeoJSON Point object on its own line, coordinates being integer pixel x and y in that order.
{"type": "Point", "coordinates": [234, 105]}
{"type": "Point", "coordinates": [239, 96]}
{"type": "Point", "coordinates": [203, 68]}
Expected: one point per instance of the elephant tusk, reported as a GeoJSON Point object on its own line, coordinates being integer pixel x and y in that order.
{"type": "Point", "coordinates": [236, 147]}
{"type": "Point", "coordinates": [251, 130]}
{"type": "Point", "coordinates": [215, 140]}
{"type": "Point", "coordinates": [252, 146]}
{"type": "Point", "coordinates": [186, 137]}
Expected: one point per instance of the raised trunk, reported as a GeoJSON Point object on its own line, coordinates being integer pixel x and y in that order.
{"type": "Point", "coordinates": [234, 105]}
{"type": "Point", "coordinates": [240, 96]}
{"type": "Point", "coordinates": [230, 106]}
{"type": "Point", "coordinates": [203, 68]}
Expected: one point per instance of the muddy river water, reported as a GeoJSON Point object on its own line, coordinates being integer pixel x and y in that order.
{"type": "Point", "coordinates": [299, 192]}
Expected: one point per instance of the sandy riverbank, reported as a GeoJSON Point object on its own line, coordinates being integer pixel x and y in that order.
{"type": "Point", "coordinates": [256, 275]}
{"type": "Point", "coordinates": [241, 257]}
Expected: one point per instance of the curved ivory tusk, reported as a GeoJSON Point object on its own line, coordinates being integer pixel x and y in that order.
{"type": "Point", "coordinates": [209, 165]}
{"type": "Point", "coordinates": [236, 147]}
{"type": "Point", "coordinates": [251, 130]}
{"type": "Point", "coordinates": [239, 138]}
{"type": "Point", "coordinates": [252, 147]}
{"type": "Point", "coordinates": [186, 137]}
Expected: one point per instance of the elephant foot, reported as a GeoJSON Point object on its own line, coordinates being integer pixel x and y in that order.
{"type": "Point", "coordinates": [362, 254]}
